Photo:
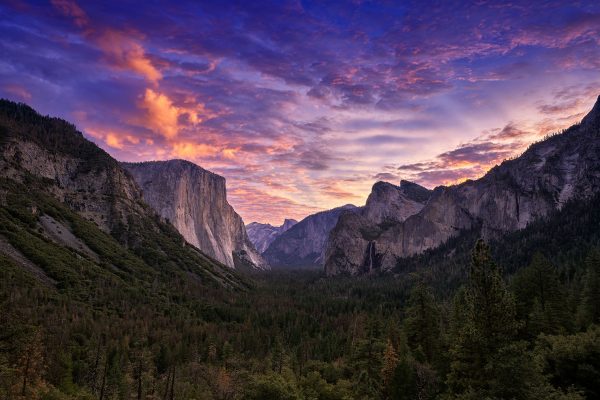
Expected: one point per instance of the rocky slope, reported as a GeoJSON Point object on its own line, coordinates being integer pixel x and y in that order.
{"type": "Point", "coordinates": [65, 203]}
{"type": "Point", "coordinates": [194, 200]}
{"type": "Point", "coordinates": [354, 240]}
{"type": "Point", "coordinates": [303, 245]}
{"type": "Point", "coordinates": [262, 235]}
{"type": "Point", "coordinates": [550, 173]}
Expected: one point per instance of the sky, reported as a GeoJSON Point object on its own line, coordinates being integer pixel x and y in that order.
{"type": "Point", "coordinates": [303, 105]}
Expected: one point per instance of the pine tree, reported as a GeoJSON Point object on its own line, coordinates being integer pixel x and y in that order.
{"type": "Point", "coordinates": [483, 353]}
{"type": "Point", "coordinates": [540, 297]}
{"type": "Point", "coordinates": [31, 364]}
{"type": "Point", "coordinates": [589, 309]}
{"type": "Point", "coordinates": [422, 323]}
{"type": "Point", "coordinates": [403, 385]}
{"type": "Point", "coordinates": [278, 356]}
{"type": "Point", "coordinates": [366, 362]}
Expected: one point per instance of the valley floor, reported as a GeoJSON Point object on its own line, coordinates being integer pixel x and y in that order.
{"type": "Point", "coordinates": [299, 335]}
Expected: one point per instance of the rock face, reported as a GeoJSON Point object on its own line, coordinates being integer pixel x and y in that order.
{"type": "Point", "coordinates": [194, 201]}
{"type": "Point", "coordinates": [550, 173]}
{"type": "Point", "coordinates": [78, 173]}
{"type": "Point", "coordinates": [81, 199]}
{"type": "Point", "coordinates": [262, 235]}
{"type": "Point", "coordinates": [354, 242]}
{"type": "Point", "coordinates": [303, 245]}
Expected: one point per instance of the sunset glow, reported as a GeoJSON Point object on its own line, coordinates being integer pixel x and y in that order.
{"type": "Point", "coordinates": [302, 106]}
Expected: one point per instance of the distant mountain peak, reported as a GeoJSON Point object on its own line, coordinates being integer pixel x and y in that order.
{"type": "Point", "coordinates": [262, 235]}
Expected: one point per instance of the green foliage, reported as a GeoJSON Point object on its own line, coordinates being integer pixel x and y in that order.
{"type": "Point", "coordinates": [422, 323]}
{"type": "Point", "coordinates": [540, 297]}
{"type": "Point", "coordinates": [147, 316]}
{"type": "Point", "coordinates": [573, 361]}
{"type": "Point", "coordinates": [484, 352]}
{"type": "Point", "coordinates": [589, 310]}
{"type": "Point", "coordinates": [272, 387]}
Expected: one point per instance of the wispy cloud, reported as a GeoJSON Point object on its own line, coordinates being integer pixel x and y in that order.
{"type": "Point", "coordinates": [302, 105]}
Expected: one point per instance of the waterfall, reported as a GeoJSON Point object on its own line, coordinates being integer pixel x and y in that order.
{"type": "Point", "coordinates": [371, 249]}
{"type": "Point", "coordinates": [370, 258]}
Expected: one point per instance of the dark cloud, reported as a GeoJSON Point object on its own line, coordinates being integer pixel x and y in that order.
{"type": "Point", "coordinates": [509, 132]}
{"type": "Point", "coordinates": [386, 176]}
{"type": "Point", "coordinates": [469, 160]}
{"type": "Point", "coordinates": [269, 83]}
{"type": "Point", "coordinates": [480, 153]}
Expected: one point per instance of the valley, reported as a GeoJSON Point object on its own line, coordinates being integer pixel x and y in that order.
{"type": "Point", "coordinates": [140, 281]}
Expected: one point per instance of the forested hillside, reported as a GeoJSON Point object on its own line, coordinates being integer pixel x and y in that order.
{"type": "Point", "coordinates": [102, 299]}
{"type": "Point", "coordinates": [302, 336]}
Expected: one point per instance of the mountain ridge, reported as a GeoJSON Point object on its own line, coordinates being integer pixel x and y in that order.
{"type": "Point", "coordinates": [75, 202]}
{"type": "Point", "coordinates": [547, 175]}
{"type": "Point", "coordinates": [303, 244]}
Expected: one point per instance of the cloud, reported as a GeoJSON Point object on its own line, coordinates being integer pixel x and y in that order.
{"type": "Point", "coordinates": [121, 49]}
{"type": "Point", "coordinates": [476, 153]}
{"type": "Point", "coordinates": [252, 201]}
{"type": "Point", "coordinates": [509, 132]}
{"type": "Point", "coordinates": [118, 141]}
{"type": "Point", "coordinates": [162, 115]}
{"type": "Point", "coordinates": [467, 161]}
{"type": "Point", "coordinates": [570, 100]}
{"type": "Point", "coordinates": [299, 105]}
{"type": "Point", "coordinates": [336, 191]}
{"type": "Point", "coordinates": [72, 9]}
{"type": "Point", "coordinates": [377, 140]}
{"type": "Point", "coordinates": [124, 52]}
{"type": "Point", "coordinates": [193, 150]}
{"type": "Point", "coordinates": [386, 176]}
{"type": "Point", "coordinates": [18, 91]}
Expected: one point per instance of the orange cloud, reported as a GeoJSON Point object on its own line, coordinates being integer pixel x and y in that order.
{"type": "Point", "coordinates": [127, 53]}
{"type": "Point", "coordinates": [229, 153]}
{"type": "Point", "coordinates": [164, 117]}
{"type": "Point", "coordinates": [193, 150]}
{"type": "Point", "coordinates": [162, 114]}
{"type": "Point", "coordinates": [121, 49]}
{"type": "Point", "coordinates": [118, 141]}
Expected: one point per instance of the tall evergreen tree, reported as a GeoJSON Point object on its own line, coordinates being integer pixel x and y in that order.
{"type": "Point", "coordinates": [589, 309]}
{"type": "Point", "coordinates": [483, 355]}
{"type": "Point", "coordinates": [540, 298]}
{"type": "Point", "coordinates": [422, 323]}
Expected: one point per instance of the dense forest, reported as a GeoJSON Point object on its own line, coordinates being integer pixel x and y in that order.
{"type": "Point", "coordinates": [136, 313]}
{"type": "Point", "coordinates": [299, 335]}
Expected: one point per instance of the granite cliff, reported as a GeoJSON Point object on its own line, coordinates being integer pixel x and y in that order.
{"type": "Point", "coordinates": [74, 217]}
{"type": "Point", "coordinates": [549, 174]}
{"type": "Point", "coordinates": [353, 241]}
{"type": "Point", "coordinates": [303, 245]}
{"type": "Point", "coordinates": [194, 201]}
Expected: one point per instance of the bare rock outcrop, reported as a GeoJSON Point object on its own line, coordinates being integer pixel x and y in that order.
{"type": "Point", "coordinates": [549, 174]}
{"type": "Point", "coordinates": [303, 245]}
{"type": "Point", "coordinates": [194, 201]}
{"type": "Point", "coordinates": [355, 244]}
